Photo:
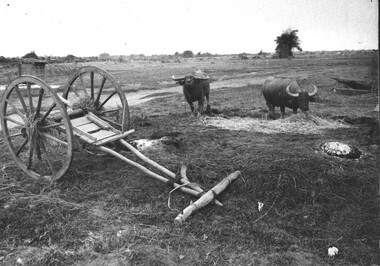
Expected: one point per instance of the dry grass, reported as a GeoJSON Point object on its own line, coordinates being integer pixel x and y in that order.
{"type": "Point", "coordinates": [104, 211]}
{"type": "Point", "coordinates": [293, 124]}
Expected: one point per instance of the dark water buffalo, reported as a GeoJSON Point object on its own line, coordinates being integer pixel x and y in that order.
{"type": "Point", "coordinates": [195, 88]}
{"type": "Point", "coordinates": [286, 92]}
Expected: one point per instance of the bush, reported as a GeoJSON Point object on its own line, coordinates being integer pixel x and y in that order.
{"type": "Point", "coordinates": [187, 53]}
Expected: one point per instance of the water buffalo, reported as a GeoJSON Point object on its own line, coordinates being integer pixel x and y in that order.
{"type": "Point", "coordinates": [285, 92]}
{"type": "Point", "coordinates": [195, 88]}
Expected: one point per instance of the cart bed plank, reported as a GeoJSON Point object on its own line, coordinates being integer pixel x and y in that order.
{"type": "Point", "coordinates": [84, 135]}
{"type": "Point", "coordinates": [80, 121]}
{"type": "Point", "coordinates": [102, 134]}
{"type": "Point", "coordinates": [113, 138]}
{"type": "Point", "coordinates": [86, 139]}
{"type": "Point", "coordinates": [89, 127]}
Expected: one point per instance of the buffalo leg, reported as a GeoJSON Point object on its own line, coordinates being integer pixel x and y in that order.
{"type": "Point", "coordinates": [191, 106]}
{"type": "Point", "coordinates": [271, 111]}
{"type": "Point", "coordinates": [282, 111]}
{"type": "Point", "coordinates": [208, 104]}
{"type": "Point", "coordinates": [200, 106]}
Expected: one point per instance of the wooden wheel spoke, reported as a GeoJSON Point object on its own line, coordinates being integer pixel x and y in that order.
{"type": "Point", "coordinates": [14, 121]}
{"type": "Point", "coordinates": [107, 99]}
{"type": "Point", "coordinates": [48, 136]}
{"type": "Point", "coordinates": [15, 135]}
{"type": "Point", "coordinates": [51, 126]}
{"type": "Point", "coordinates": [111, 121]}
{"type": "Point", "coordinates": [100, 90]}
{"type": "Point", "coordinates": [92, 84]}
{"type": "Point", "coordinates": [52, 168]}
{"type": "Point", "coordinates": [21, 147]}
{"type": "Point", "coordinates": [17, 89]}
{"type": "Point", "coordinates": [38, 151]}
{"type": "Point", "coordinates": [39, 102]}
{"type": "Point", "coordinates": [74, 90]}
{"type": "Point", "coordinates": [84, 86]}
{"type": "Point", "coordinates": [24, 118]}
{"type": "Point", "coordinates": [29, 89]}
{"type": "Point", "coordinates": [31, 152]}
{"type": "Point", "coordinates": [48, 112]}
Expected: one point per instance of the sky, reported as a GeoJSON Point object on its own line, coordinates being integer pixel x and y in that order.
{"type": "Point", "coordinates": [124, 27]}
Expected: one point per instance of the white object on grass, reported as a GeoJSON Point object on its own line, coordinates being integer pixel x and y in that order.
{"type": "Point", "coordinates": [332, 251]}
{"type": "Point", "coordinates": [260, 206]}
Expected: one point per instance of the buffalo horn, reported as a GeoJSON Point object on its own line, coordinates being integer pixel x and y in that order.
{"type": "Point", "coordinates": [202, 78]}
{"type": "Point", "coordinates": [174, 78]}
{"type": "Point", "coordinates": [200, 75]}
{"type": "Point", "coordinates": [291, 93]}
{"type": "Point", "coordinates": [314, 92]}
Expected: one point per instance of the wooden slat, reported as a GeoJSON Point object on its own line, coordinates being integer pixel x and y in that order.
{"type": "Point", "coordinates": [80, 121]}
{"type": "Point", "coordinates": [89, 127]}
{"type": "Point", "coordinates": [88, 137]}
{"type": "Point", "coordinates": [114, 138]}
{"type": "Point", "coordinates": [103, 124]}
{"type": "Point", "coordinates": [102, 134]}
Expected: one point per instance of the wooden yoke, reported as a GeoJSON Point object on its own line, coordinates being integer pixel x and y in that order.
{"type": "Point", "coordinates": [183, 177]}
{"type": "Point", "coordinates": [206, 198]}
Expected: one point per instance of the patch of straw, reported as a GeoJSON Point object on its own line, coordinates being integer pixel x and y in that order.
{"type": "Point", "coordinates": [87, 104]}
{"type": "Point", "coordinates": [297, 123]}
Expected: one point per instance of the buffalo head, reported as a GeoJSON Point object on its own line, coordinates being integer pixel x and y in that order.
{"type": "Point", "coordinates": [302, 96]}
{"type": "Point", "coordinates": [190, 80]}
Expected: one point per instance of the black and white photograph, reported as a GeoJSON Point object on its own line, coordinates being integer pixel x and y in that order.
{"type": "Point", "coordinates": [189, 132]}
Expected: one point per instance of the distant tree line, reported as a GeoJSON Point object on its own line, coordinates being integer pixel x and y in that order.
{"type": "Point", "coordinates": [49, 59]}
{"type": "Point", "coordinates": [189, 53]}
{"type": "Point", "coordinates": [285, 44]}
{"type": "Point", "coordinates": [102, 57]}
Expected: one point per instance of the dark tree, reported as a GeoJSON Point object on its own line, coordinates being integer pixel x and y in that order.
{"type": "Point", "coordinates": [104, 57]}
{"type": "Point", "coordinates": [70, 58]}
{"type": "Point", "coordinates": [286, 42]}
{"type": "Point", "coordinates": [243, 56]}
{"type": "Point", "coordinates": [188, 53]}
{"type": "Point", "coordinates": [32, 54]}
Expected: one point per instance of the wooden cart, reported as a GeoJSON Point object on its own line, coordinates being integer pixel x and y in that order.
{"type": "Point", "coordinates": [42, 129]}
{"type": "Point", "coordinates": [356, 87]}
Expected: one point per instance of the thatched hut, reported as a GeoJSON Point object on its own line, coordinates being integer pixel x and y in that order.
{"type": "Point", "coordinates": [31, 66]}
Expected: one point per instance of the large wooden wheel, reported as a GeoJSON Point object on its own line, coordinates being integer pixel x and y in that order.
{"type": "Point", "coordinates": [36, 128]}
{"type": "Point", "coordinates": [93, 89]}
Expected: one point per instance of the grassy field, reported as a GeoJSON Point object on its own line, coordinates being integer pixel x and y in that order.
{"type": "Point", "coordinates": [105, 212]}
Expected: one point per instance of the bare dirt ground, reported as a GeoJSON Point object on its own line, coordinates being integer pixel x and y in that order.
{"type": "Point", "coordinates": [105, 212]}
{"type": "Point", "coordinates": [142, 96]}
